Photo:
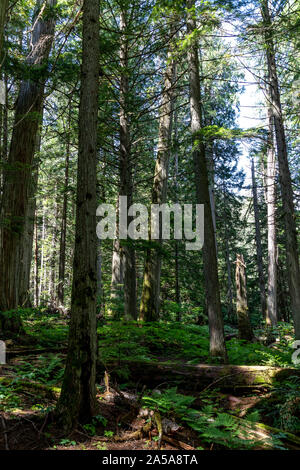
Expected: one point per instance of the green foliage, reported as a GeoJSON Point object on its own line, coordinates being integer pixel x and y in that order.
{"type": "Point", "coordinates": [124, 340]}
{"type": "Point", "coordinates": [220, 428]}
{"type": "Point", "coordinates": [47, 328]}
{"type": "Point", "coordinates": [120, 340]}
{"type": "Point", "coordinates": [67, 443]}
{"type": "Point", "coordinates": [100, 419]}
{"type": "Point", "coordinates": [282, 406]}
{"type": "Point", "coordinates": [289, 409]}
{"type": "Point", "coordinates": [49, 370]}
{"type": "Point", "coordinates": [91, 428]}
{"type": "Point", "coordinates": [9, 399]}
{"type": "Point", "coordinates": [215, 132]}
{"type": "Point", "coordinates": [169, 401]}
{"type": "Point", "coordinates": [280, 354]}
{"type": "Point", "coordinates": [172, 340]}
{"type": "Point", "coordinates": [212, 426]}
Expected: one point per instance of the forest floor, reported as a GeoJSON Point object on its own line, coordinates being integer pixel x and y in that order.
{"type": "Point", "coordinates": [144, 412]}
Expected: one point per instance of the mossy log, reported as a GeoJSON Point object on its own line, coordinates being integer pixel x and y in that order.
{"type": "Point", "coordinates": [199, 376]}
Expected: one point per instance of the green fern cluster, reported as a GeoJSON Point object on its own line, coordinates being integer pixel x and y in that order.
{"type": "Point", "coordinates": [49, 370]}
{"type": "Point", "coordinates": [212, 426]}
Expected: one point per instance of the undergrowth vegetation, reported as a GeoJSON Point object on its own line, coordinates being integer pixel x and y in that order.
{"type": "Point", "coordinates": [162, 340]}
{"type": "Point", "coordinates": [34, 380]}
{"type": "Point", "coordinates": [209, 422]}
{"type": "Point", "coordinates": [171, 341]}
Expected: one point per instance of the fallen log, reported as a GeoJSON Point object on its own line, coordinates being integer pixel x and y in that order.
{"type": "Point", "coordinates": [34, 351]}
{"type": "Point", "coordinates": [199, 376]}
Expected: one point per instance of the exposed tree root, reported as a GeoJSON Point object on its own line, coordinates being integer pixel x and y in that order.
{"type": "Point", "coordinates": [139, 434]}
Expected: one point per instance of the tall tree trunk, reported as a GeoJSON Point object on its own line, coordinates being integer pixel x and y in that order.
{"type": "Point", "coordinates": [211, 188]}
{"type": "Point", "coordinates": [177, 267]}
{"type": "Point", "coordinates": [117, 273]}
{"type": "Point", "coordinates": [36, 265]}
{"type": "Point", "coordinates": [63, 229]}
{"type": "Point", "coordinates": [293, 268]}
{"type": "Point", "coordinates": [1, 161]}
{"type": "Point", "coordinates": [209, 152]}
{"type": "Point", "coordinates": [53, 256]}
{"type": "Point", "coordinates": [4, 137]}
{"type": "Point", "coordinates": [228, 262]}
{"type": "Point", "coordinates": [126, 184]}
{"type": "Point", "coordinates": [3, 14]}
{"type": "Point", "coordinates": [101, 195]}
{"type": "Point", "coordinates": [27, 246]}
{"type": "Point", "coordinates": [41, 288]}
{"type": "Point", "coordinates": [210, 263]}
{"type": "Point", "coordinates": [271, 313]}
{"type": "Point", "coordinates": [282, 292]}
{"type": "Point", "coordinates": [149, 309]}
{"type": "Point", "coordinates": [229, 279]}
{"type": "Point", "coordinates": [259, 256]}
{"type": "Point", "coordinates": [19, 169]}
{"type": "Point", "coordinates": [5, 123]}
{"type": "Point", "coordinates": [77, 402]}
{"type": "Point", "coordinates": [99, 275]}
{"type": "Point", "coordinates": [117, 278]}
{"type": "Point", "coordinates": [244, 325]}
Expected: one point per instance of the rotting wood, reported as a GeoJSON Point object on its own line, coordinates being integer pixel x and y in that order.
{"type": "Point", "coordinates": [197, 377]}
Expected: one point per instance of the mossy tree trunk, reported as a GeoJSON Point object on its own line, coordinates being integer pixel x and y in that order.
{"type": "Point", "coordinates": [77, 402]}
